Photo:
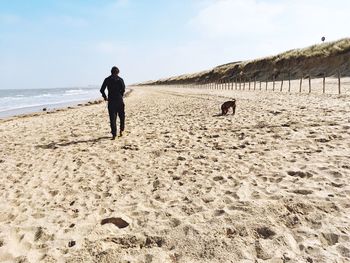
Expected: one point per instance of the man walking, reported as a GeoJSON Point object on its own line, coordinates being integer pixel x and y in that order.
{"type": "Point", "coordinates": [116, 88]}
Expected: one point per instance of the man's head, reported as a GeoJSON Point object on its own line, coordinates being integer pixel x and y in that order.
{"type": "Point", "coordinates": [115, 70]}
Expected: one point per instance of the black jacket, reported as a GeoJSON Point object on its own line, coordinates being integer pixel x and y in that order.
{"type": "Point", "coordinates": [116, 88]}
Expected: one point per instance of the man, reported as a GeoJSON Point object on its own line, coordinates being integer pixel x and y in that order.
{"type": "Point", "coordinates": [116, 88]}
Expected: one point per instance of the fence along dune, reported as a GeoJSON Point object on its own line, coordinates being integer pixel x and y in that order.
{"type": "Point", "coordinates": [329, 60]}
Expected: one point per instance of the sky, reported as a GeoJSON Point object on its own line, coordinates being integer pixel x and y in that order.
{"type": "Point", "coordinates": [70, 43]}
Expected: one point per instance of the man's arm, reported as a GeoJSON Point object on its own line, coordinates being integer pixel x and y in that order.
{"type": "Point", "coordinates": [123, 87]}
{"type": "Point", "coordinates": [103, 88]}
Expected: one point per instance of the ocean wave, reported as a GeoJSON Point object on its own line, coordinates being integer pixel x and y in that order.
{"type": "Point", "coordinates": [44, 104]}
{"type": "Point", "coordinates": [75, 92]}
{"type": "Point", "coordinates": [44, 98]}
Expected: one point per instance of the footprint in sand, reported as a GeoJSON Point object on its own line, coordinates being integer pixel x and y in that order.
{"type": "Point", "coordinates": [244, 192]}
{"type": "Point", "coordinates": [117, 221]}
{"type": "Point", "coordinates": [300, 174]}
{"type": "Point", "coordinates": [302, 192]}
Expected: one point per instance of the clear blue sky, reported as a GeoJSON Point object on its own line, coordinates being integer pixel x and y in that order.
{"type": "Point", "coordinates": [59, 43]}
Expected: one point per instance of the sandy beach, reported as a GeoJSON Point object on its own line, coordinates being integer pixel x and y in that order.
{"type": "Point", "coordinates": [270, 184]}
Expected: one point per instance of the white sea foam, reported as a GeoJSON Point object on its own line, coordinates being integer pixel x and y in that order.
{"type": "Point", "coordinates": [11, 100]}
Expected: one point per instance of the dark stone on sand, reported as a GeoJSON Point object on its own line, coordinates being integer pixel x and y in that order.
{"type": "Point", "coordinates": [117, 221]}
{"type": "Point", "coordinates": [71, 243]}
{"type": "Point", "coordinates": [156, 184]}
{"type": "Point", "coordinates": [265, 232]}
{"type": "Point", "coordinates": [44, 109]}
{"type": "Point", "coordinates": [219, 212]}
{"type": "Point", "coordinates": [218, 178]}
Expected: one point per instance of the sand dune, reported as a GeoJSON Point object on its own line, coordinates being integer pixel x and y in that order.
{"type": "Point", "coordinates": [270, 184]}
{"type": "Point", "coordinates": [326, 59]}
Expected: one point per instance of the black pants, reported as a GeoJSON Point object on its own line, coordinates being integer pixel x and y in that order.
{"type": "Point", "coordinates": [114, 110]}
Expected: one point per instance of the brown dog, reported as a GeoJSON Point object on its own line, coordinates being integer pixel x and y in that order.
{"type": "Point", "coordinates": [227, 105]}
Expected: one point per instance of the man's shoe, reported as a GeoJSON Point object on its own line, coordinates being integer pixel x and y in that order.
{"type": "Point", "coordinates": [120, 134]}
{"type": "Point", "coordinates": [113, 137]}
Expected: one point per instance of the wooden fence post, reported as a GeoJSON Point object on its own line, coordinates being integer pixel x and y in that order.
{"type": "Point", "coordinates": [289, 82]}
{"type": "Point", "coordinates": [273, 82]}
{"type": "Point", "coordinates": [243, 83]}
{"type": "Point", "coordinates": [324, 83]}
{"type": "Point", "coordinates": [249, 83]}
{"type": "Point", "coordinates": [260, 85]}
{"type": "Point", "coordinates": [254, 83]}
{"type": "Point", "coordinates": [301, 82]}
{"type": "Point", "coordinates": [309, 83]}
{"type": "Point", "coordinates": [281, 84]}
{"type": "Point", "coordinates": [339, 91]}
{"type": "Point", "coordinates": [266, 83]}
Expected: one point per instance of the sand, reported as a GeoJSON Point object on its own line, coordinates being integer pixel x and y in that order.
{"type": "Point", "coordinates": [270, 184]}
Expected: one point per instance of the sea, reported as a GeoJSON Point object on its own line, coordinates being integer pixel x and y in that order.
{"type": "Point", "coordinates": [22, 101]}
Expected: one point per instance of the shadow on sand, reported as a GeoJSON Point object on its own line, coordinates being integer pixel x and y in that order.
{"type": "Point", "coordinates": [220, 115]}
{"type": "Point", "coordinates": [55, 145]}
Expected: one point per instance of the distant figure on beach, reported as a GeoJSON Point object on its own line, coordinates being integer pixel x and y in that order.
{"type": "Point", "coordinates": [116, 88]}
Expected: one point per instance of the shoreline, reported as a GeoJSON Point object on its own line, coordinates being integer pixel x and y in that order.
{"type": "Point", "coordinates": [50, 108]}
